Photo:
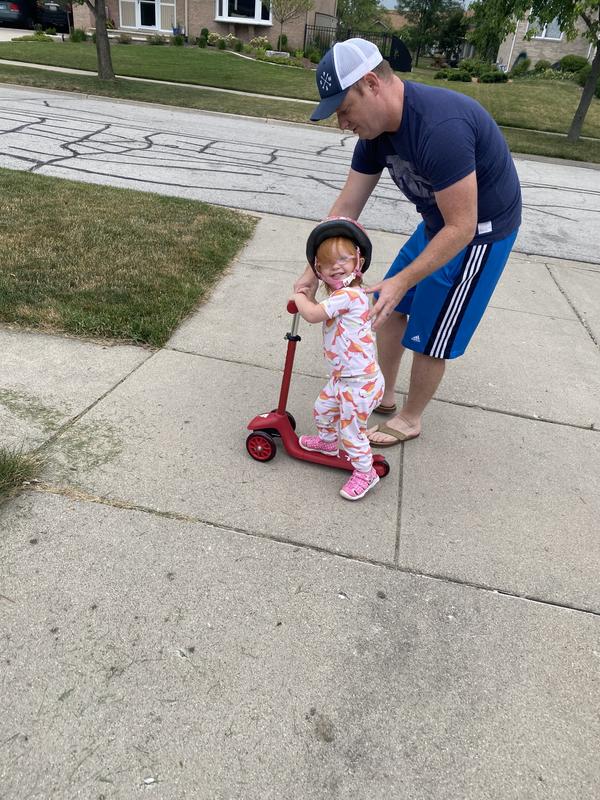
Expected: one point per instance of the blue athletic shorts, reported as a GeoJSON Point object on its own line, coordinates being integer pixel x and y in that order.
{"type": "Point", "coordinates": [446, 307]}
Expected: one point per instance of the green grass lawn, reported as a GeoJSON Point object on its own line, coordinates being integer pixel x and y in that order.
{"type": "Point", "coordinates": [111, 263]}
{"type": "Point", "coordinates": [526, 103]}
{"type": "Point", "coordinates": [181, 96]}
{"type": "Point", "coordinates": [207, 67]}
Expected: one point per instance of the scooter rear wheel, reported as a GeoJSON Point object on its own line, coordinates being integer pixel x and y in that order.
{"type": "Point", "coordinates": [261, 446]}
{"type": "Point", "coordinates": [381, 467]}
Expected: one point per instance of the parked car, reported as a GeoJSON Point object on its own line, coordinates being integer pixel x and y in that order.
{"type": "Point", "coordinates": [51, 14]}
{"type": "Point", "coordinates": [20, 13]}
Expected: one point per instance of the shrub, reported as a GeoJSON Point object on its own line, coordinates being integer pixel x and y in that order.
{"type": "Point", "coordinates": [493, 76]}
{"type": "Point", "coordinates": [33, 37]}
{"type": "Point", "coordinates": [239, 46]}
{"type": "Point", "coordinates": [521, 68]}
{"type": "Point", "coordinates": [221, 44]}
{"type": "Point", "coordinates": [542, 65]}
{"type": "Point", "coordinates": [156, 39]}
{"type": "Point", "coordinates": [572, 63]}
{"type": "Point", "coordinates": [78, 35]}
{"type": "Point", "coordinates": [473, 66]}
{"type": "Point", "coordinates": [204, 33]}
{"type": "Point", "coordinates": [230, 41]}
{"type": "Point", "coordinates": [213, 38]}
{"type": "Point", "coordinates": [442, 74]}
{"type": "Point", "coordinates": [282, 42]}
{"type": "Point", "coordinates": [459, 75]}
{"type": "Point", "coordinates": [298, 53]}
{"type": "Point", "coordinates": [178, 40]}
{"type": "Point", "coordinates": [201, 41]}
{"type": "Point", "coordinates": [124, 38]}
{"type": "Point", "coordinates": [582, 76]}
{"type": "Point", "coordinates": [110, 24]}
{"type": "Point", "coordinates": [260, 43]}
{"type": "Point", "coordinates": [50, 31]}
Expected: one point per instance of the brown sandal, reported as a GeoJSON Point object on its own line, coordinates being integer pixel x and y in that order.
{"type": "Point", "coordinates": [398, 436]}
{"type": "Point", "coordinates": [383, 409]}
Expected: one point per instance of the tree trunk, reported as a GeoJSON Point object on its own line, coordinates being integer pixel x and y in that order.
{"type": "Point", "coordinates": [105, 67]}
{"type": "Point", "coordinates": [586, 99]}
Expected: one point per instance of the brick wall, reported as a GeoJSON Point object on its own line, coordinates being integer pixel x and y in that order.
{"type": "Point", "coordinates": [540, 49]}
{"type": "Point", "coordinates": [201, 14]}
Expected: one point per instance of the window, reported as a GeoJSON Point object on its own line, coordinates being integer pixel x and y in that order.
{"type": "Point", "coordinates": [550, 30]}
{"type": "Point", "coordinates": [253, 12]}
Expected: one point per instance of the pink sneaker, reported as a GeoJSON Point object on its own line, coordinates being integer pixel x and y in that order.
{"type": "Point", "coordinates": [359, 484]}
{"type": "Point", "coordinates": [318, 445]}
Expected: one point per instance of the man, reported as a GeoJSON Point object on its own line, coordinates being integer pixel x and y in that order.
{"type": "Point", "coordinates": [447, 156]}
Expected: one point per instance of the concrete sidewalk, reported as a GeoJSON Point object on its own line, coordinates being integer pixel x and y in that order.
{"type": "Point", "coordinates": [183, 622]}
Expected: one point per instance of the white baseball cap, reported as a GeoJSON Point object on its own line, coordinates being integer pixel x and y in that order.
{"type": "Point", "coordinates": [341, 66]}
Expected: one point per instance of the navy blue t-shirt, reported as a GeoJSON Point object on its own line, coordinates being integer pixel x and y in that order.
{"type": "Point", "coordinates": [443, 137]}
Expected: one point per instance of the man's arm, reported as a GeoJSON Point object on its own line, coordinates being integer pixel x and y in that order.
{"type": "Point", "coordinates": [355, 193]}
{"type": "Point", "coordinates": [458, 206]}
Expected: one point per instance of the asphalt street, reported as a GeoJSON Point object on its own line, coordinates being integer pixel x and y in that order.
{"type": "Point", "coordinates": [260, 165]}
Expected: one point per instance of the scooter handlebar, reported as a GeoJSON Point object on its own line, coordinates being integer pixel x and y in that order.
{"type": "Point", "coordinates": [292, 307]}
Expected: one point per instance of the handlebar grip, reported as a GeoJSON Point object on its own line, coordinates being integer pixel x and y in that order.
{"type": "Point", "coordinates": [292, 307]}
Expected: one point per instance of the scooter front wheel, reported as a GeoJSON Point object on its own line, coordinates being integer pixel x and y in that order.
{"type": "Point", "coordinates": [261, 446]}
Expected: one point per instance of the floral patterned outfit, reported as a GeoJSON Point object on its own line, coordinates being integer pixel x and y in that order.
{"type": "Point", "coordinates": [355, 385]}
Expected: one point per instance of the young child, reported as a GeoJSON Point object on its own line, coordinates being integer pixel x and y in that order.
{"type": "Point", "coordinates": [355, 384]}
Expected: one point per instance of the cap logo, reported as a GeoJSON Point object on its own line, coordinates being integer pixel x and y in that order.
{"type": "Point", "coordinates": [325, 82]}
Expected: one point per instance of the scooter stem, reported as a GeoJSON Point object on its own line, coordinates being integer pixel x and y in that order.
{"type": "Point", "coordinates": [292, 338]}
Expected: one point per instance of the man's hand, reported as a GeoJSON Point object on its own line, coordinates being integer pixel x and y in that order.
{"type": "Point", "coordinates": [391, 292]}
{"type": "Point", "coordinates": [308, 280]}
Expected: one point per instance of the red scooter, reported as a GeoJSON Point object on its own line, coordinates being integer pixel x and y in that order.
{"type": "Point", "coordinates": [261, 444]}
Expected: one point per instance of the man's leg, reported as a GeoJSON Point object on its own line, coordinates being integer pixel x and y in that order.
{"type": "Point", "coordinates": [425, 377]}
{"type": "Point", "coordinates": [389, 353]}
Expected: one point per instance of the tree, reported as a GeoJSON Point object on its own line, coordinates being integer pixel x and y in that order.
{"type": "Point", "coordinates": [492, 21]}
{"type": "Point", "coordinates": [105, 67]}
{"type": "Point", "coordinates": [426, 18]}
{"type": "Point", "coordinates": [568, 13]}
{"type": "Point", "coordinates": [452, 33]}
{"type": "Point", "coordinates": [495, 19]}
{"type": "Point", "coordinates": [285, 10]}
{"type": "Point", "coordinates": [358, 14]}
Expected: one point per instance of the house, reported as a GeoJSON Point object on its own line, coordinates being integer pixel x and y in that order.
{"type": "Point", "coordinates": [549, 44]}
{"type": "Point", "coordinates": [245, 19]}
{"type": "Point", "coordinates": [392, 21]}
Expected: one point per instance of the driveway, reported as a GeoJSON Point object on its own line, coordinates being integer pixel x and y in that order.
{"type": "Point", "coordinates": [7, 34]}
